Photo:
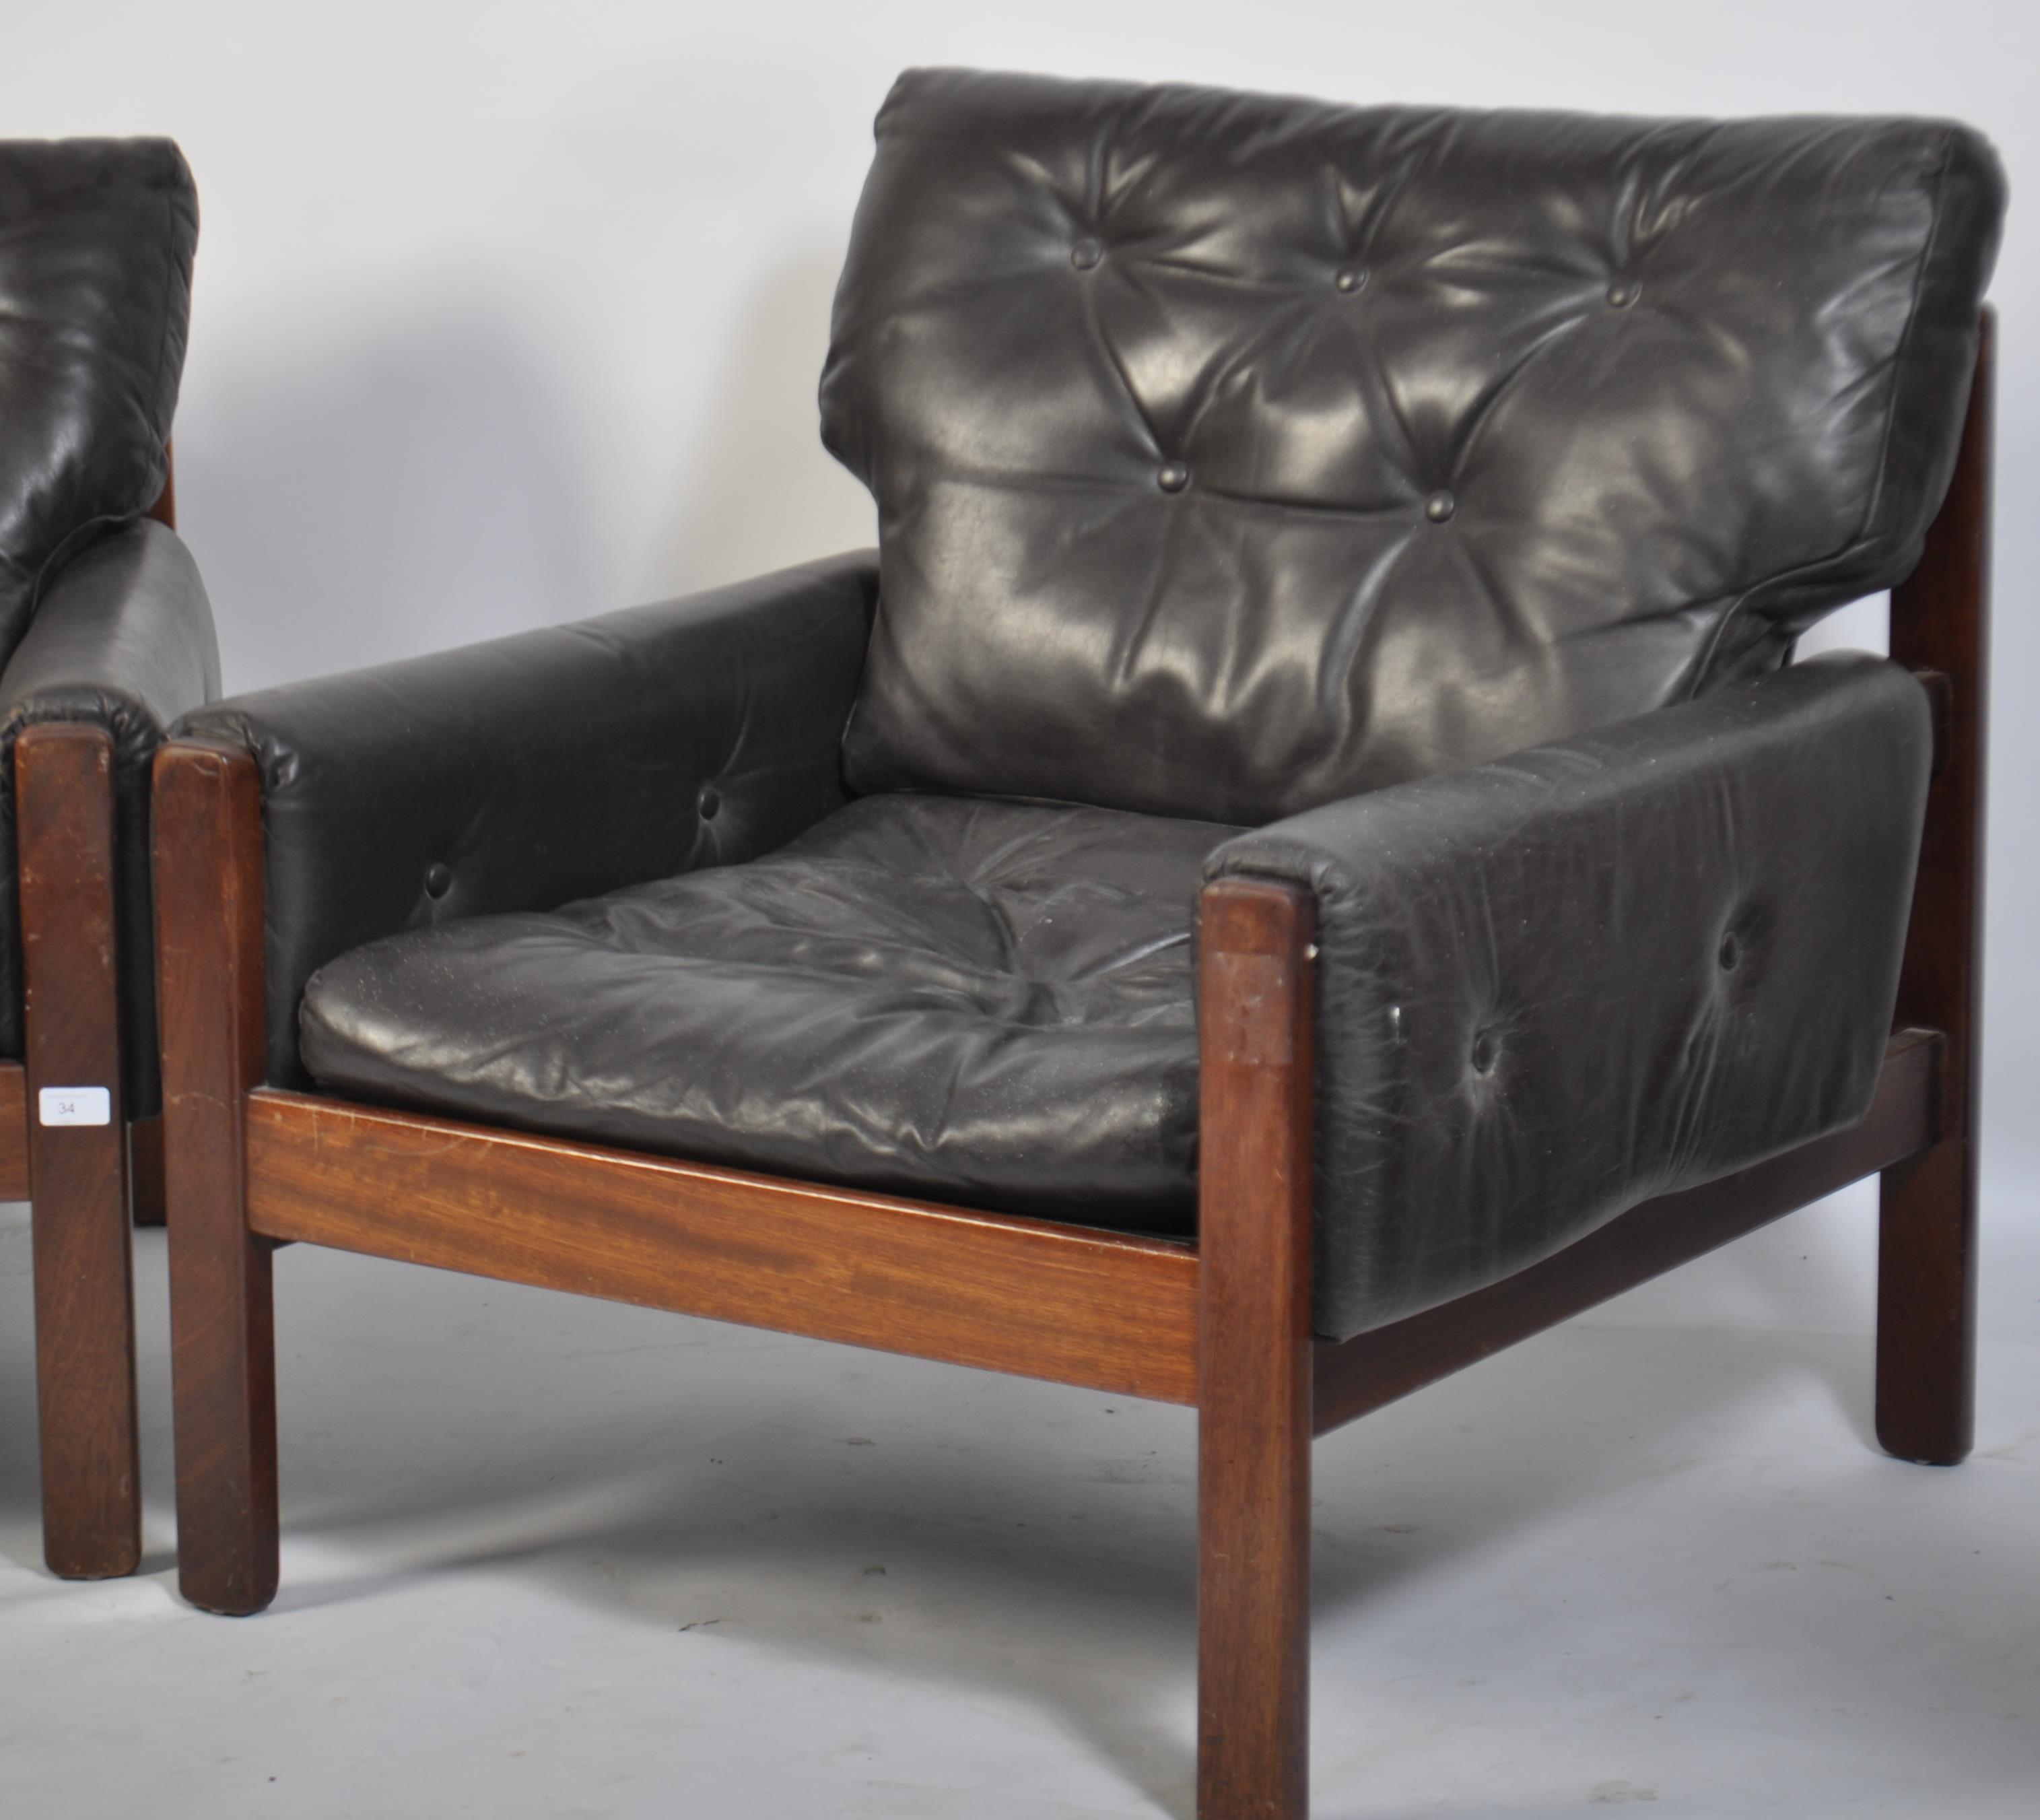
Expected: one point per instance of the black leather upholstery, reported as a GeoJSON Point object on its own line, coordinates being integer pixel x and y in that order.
{"type": "Point", "coordinates": [96, 242]}
{"type": "Point", "coordinates": [534, 769]}
{"type": "Point", "coordinates": [967, 1000]}
{"type": "Point", "coordinates": [1550, 986]}
{"type": "Point", "coordinates": [1632, 961]}
{"type": "Point", "coordinates": [122, 639]}
{"type": "Point", "coordinates": [1236, 458]}
{"type": "Point", "coordinates": [1234, 454]}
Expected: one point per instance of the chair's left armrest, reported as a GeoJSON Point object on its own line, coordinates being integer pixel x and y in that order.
{"type": "Point", "coordinates": [1554, 986]}
{"type": "Point", "coordinates": [529, 771]}
{"type": "Point", "coordinates": [122, 639]}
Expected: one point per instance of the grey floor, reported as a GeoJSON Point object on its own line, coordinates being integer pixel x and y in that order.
{"type": "Point", "coordinates": [547, 1557]}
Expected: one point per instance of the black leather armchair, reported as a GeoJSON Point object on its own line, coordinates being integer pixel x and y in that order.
{"type": "Point", "coordinates": [1304, 858]}
{"type": "Point", "coordinates": [107, 639]}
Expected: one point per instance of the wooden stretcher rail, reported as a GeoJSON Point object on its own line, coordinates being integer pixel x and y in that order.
{"type": "Point", "coordinates": [1108, 1311]}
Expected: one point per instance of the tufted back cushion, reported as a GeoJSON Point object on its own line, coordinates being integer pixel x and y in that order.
{"type": "Point", "coordinates": [96, 242]}
{"type": "Point", "coordinates": [1234, 453]}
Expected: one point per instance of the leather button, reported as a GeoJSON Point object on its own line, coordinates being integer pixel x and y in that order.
{"type": "Point", "coordinates": [438, 880]}
{"type": "Point", "coordinates": [708, 802]}
{"type": "Point", "coordinates": [1623, 292]}
{"type": "Point", "coordinates": [1174, 477]}
{"type": "Point", "coordinates": [1439, 506]}
{"type": "Point", "coordinates": [1085, 254]}
{"type": "Point", "coordinates": [1350, 278]}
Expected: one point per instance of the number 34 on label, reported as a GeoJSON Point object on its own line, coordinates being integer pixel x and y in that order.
{"type": "Point", "coordinates": [74, 1105]}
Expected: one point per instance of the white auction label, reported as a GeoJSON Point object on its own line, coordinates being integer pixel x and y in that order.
{"type": "Point", "coordinates": [74, 1105]}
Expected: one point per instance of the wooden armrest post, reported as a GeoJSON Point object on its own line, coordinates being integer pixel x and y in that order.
{"type": "Point", "coordinates": [1254, 1423]}
{"type": "Point", "coordinates": [77, 1152]}
{"type": "Point", "coordinates": [209, 983]}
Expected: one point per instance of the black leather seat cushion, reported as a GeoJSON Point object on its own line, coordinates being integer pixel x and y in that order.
{"type": "Point", "coordinates": [1234, 454]}
{"type": "Point", "coordinates": [977, 1001]}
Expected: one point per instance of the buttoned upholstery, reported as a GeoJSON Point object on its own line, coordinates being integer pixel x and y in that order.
{"type": "Point", "coordinates": [974, 1001]}
{"type": "Point", "coordinates": [1435, 497]}
{"type": "Point", "coordinates": [1234, 454]}
{"type": "Point", "coordinates": [1625, 963]}
{"type": "Point", "coordinates": [533, 770]}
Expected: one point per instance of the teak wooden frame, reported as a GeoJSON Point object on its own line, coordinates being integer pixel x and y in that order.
{"type": "Point", "coordinates": [86, 1181]}
{"type": "Point", "coordinates": [1224, 1324]}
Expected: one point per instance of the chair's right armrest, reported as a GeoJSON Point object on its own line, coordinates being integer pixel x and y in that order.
{"type": "Point", "coordinates": [1620, 964]}
{"type": "Point", "coordinates": [529, 771]}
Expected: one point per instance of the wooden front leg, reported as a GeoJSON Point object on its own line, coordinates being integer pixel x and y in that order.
{"type": "Point", "coordinates": [1254, 1351]}
{"type": "Point", "coordinates": [77, 1152]}
{"type": "Point", "coordinates": [209, 987]}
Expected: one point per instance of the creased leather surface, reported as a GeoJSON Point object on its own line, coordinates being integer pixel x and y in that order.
{"type": "Point", "coordinates": [1234, 457]}
{"type": "Point", "coordinates": [1632, 962]}
{"type": "Point", "coordinates": [977, 1001]}
{"type": "Point", "coordinates": [531, 770]}
{"type": "Point", "coordinates": [95, 244]}
{"type": "Point", "coordinates": [1235, 453]}
{"type": "Point", "coordinates": [122, 639]}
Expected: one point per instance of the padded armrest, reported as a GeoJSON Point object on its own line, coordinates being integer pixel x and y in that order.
{"type": "Point", "coordinates": [122, 638]}
{"type": "Point", "coordinates": [1554, 986]}
{"type": "Point", "coordinates": [531, 771]}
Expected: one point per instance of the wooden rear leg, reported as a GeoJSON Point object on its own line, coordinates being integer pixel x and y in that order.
{"type": "Point", "coordinates": [1254, 1414]}
{"type": "Point", "coordinates": [1926, 1253]}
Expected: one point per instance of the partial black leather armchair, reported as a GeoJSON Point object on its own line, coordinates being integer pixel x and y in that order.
{"type": "Point", "coordinates": [108, 638]}
{"type": "Point", "coordinates": [1304, 858]}
{"type": "Point", "coordinates": [121, 644]}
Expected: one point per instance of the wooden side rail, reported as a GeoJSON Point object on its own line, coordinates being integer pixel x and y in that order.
{"type": "Point", "coordinates": [1073, 1305]}
{"type": "Point", "coordinates": [1107, 1310]}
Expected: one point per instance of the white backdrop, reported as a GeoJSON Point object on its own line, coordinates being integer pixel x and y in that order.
{"type": "Point", "coordinates": [508, 314]}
